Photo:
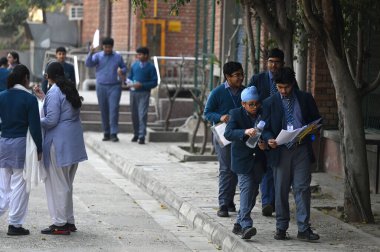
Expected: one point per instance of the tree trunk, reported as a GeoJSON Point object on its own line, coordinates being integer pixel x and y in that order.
{"type": "Point", "coordinates": [357, 202]}
{"type": "Point", "coordinates": [249, 31]}
{"type": "Point", "coordinates": [285, 43]}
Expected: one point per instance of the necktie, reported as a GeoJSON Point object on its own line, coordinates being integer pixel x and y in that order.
{"type": "Point", "coordinates": [273, 88]}
{"type": "Point", "coordinates": [289, 105]}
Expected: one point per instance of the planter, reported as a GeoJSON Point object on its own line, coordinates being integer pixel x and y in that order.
{"type": "Point", "coordinates": [183, 154]}
{"type": "Point", "coordinates": [159, 135]}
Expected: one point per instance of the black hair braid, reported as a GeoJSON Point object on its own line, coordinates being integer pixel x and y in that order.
{"type": "Point", "coordinates": [68, 88]}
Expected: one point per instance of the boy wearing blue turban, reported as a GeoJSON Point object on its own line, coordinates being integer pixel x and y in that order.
{"type": "Point", "coordinates": [248, 163]}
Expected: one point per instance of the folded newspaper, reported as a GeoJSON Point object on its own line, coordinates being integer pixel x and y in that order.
{"type": "Point", "coordinates": [218, 131]}
{"type": "Point", "coordinates": [297, 135]}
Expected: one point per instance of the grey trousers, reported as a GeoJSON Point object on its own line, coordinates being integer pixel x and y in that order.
{"type": "Point", "coordinates": [293, 171]}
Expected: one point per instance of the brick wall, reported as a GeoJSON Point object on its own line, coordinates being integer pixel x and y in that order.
{"type": "Point", "coordinates": [319, 83]}
{"type": "Point", "coordinates": [120, 24]}
{"type": "Point", "coordinates": [90, 19]}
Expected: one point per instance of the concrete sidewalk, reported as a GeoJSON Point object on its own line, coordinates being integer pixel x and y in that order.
{"type": "Point", "coordinates": [190, 189]}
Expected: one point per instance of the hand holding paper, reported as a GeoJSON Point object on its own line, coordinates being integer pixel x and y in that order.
{"type": "Point", "coordinates": [95, 41]}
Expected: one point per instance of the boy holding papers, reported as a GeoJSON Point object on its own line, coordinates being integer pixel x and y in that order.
{"type": "Point", "coordinates": [290, 109]}
{"type": "Point", "coordinates": [220, 101]}
{"type": "Point", "coordinates": [248, 163]}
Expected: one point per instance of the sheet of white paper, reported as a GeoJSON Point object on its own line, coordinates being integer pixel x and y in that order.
{"type": "Point", "coordinates": [288, 136]}
{"type": "Point", "coordinates": [219, 131]}
{"type": "Point", "coordinates": [95, 41]}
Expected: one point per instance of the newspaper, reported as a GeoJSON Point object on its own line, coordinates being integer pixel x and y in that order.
{"type": "Point", "coordinates": [297, 135]}
{"type": "Point", "coordinates": [218, 130]}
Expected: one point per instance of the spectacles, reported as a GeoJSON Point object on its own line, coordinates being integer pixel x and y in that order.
{"type": "Point", "coordinates": [275, 62]}
{"type": "Point", "coordinates": [253, 104]}
{"type": "Point", "coordinates": [238, 75]}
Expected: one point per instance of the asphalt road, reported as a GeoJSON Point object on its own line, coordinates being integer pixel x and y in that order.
{"type": "Point", "coordinates": [112, 214]}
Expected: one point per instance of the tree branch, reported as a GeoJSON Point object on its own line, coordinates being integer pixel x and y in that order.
{"type": "Point", "coordinates": [315, 24]}
{"type": "Point", "coordinates": [350, 65]}
{"type": "Point", "coordinates": [359, 60]}
{"type": "Point", "coordinates": [372, 86]}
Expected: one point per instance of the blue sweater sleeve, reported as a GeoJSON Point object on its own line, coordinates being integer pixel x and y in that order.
{"type": "Point", "coordinates": [53, 110]}
{"type": "Point", "coordinates": [233, 131]}
{"type": "Point", "coordinates": [34, 124]}
{"type": "Point", "coordinates": [211, 107]}
{"type": "Point", "coordinates": [122, 65]}
{"type": "Point", "coordinates": [92, 59]}
{"type": "Point", "coordinates": [152, 83]}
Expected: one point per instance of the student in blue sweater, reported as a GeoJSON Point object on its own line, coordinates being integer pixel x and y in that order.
{"type": "Point", "coordinates": [19, 111]}
{"type": "Point", "coordinates": [141, 79]}
{"type": "Point", "coordinates": [220, 101]}
{"type": "Point", "coordinates": [4, 72]}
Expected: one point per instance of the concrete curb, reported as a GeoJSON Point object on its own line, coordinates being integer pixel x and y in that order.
{"type": "Point", "coordinates": [219, 235]}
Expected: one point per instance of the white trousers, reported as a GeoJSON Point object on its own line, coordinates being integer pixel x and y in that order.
{"type": "Point", "coordinates": [13, 195]}
{"type": "Point", "coordinates": [59, 191]}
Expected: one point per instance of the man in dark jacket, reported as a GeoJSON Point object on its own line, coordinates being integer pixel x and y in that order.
{"type": "Point", "coordinates": [290, 109]}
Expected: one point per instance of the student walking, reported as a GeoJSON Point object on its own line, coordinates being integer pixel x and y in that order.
{"type": "Point", "coordinates": [142, 78]}
{"type": "Point", "coordinates": [4, 72]}
{"type": "Point", "coordinates": [19, 112]}
{"type": "Point", "coordinates": [219, 103]}
{"type": "Point", "coordinates": [248, 163]}
{"type": "Point", "coordinates": [266, 87]}
{"type": "Point", "coordinates": [290, 108]}
{"type": "Point", "coordinates": [63, 147]}
{"type": "Point", "coordinates": [109, 65]}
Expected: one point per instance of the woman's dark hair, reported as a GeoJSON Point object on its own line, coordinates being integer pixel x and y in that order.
{"type": "Point", "coordinates": [18, 75]}
{"type": "Point", "coordinates": [15, 56]}
{"type": "Point", "coordinates": [56, 72]}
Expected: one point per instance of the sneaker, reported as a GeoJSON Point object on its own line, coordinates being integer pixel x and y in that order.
{"type": "Point", "coordinates": [231, 207]}
{"type": "Point", "coordinates": [56, 230]}
{"type": "Point", "coordinates": [281, 235]}
{"type": "Point", "coordinates": [222, 212]}
{"type": "Point", "coordinates": [114, 138]}
{"type": "Point", "coordinates": [307, 235]}
{"type": "Point", "coordinates": [134, 139]}
{"type": "Point", "coordinates": [267, 210]}
{"type": "Point", "coordinates": [106, 137]}
{"type": "Point", "coordinates": [248, 232]}
{"type": "Point", "coordinates": [12, 230]}
{"type": "Point", "coordinates": [70, 227]}
{"type": "Point", "coordinates": [237, 229]}
{"type": "Point", "coordinates": [141, 140]}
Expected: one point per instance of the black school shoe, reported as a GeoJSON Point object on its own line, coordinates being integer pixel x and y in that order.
{"type": "Point", "coordinates": [222, 212]}
{"type": "Point", "coordinates": [114, 138]}
{"type": "Point", "coordinates": [134, 139]}
{"type": "Point", "coordinates": [248, 232]}
{"type": "Point", "coordinates": [106, 137]}
{"type": "Point", "coordinates": [281, 235]}
{"type": "Point", "coordinates": [307, 235]}
{"type": "Point", "coordinates": [267, 210]}
{"type": "Point", "coordinates": [12, 230]}
{"type": "Point", "coordinates": [237, 229]}
{"type": "Point", "coordinates": [141, 140]}
{"type": "Point", "coordinates": [56, 230]}
{"type": "Point", "coordinates": [70, 227]}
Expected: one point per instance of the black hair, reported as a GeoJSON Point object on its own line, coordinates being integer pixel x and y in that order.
{"type": "Point", "coordinates": [143, 50]}
{"type": "Point", "coordinates": [3, 61]}
{"type": "Point", "coordinates": [18, 75]}
{"type": "Point", "coordinates": [107, 41]}
{"type": "Point", "coordinates": [56, 72]}
{"type": "Point", "coordinates": [285, 75]}
{"type": "Point", "coordinates": [15, 56]}
{"type": "Point", "coordinates": [276, 53]}
{"type": "Point", "coordinates": [231, 67]}
{"type": "Point", "coordinates": [60, 49]}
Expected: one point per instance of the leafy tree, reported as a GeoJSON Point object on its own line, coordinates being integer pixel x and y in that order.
{"type": "Point", "coordinates": [334, 23]}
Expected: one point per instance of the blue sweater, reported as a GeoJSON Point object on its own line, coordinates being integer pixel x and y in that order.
{"type": "Point", "coordinates": [220, 102]}
{"type": "Point", "coordinates": [19, 110]}
{"type": "Point", "coordinates": [146, 75]}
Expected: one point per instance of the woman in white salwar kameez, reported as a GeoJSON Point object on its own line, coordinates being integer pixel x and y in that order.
{"type": "Point", "coordinates": [19, 111]}
{"type": "Point", "coordinates": [64, 146]}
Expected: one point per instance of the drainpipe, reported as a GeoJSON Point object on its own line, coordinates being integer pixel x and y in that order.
{"type": "Point", "coordinates": [212, 44]}
{"type": "Point", "coordinates": [196, 45]}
